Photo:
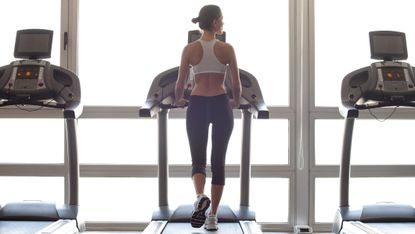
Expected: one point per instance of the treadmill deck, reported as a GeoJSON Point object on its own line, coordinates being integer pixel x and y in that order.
{"type": "Point", "coordinates": [183, 228]}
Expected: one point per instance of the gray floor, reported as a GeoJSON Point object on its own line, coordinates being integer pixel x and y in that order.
{"type": "Point", "coordinates": [140, 232]}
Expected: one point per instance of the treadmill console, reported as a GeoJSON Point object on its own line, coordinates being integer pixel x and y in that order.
{"type": "Point", "coordinates": [33, 81]}
{"type": "Point", "coordinates": [393, 77]}
{"type": "Point", "coordinates": [37, 82]}
{"type": "Point", "coordinates": [384, 83]}
{"type": "Point", "coordinates": [27, 75]}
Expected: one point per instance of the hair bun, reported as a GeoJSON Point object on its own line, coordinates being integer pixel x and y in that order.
{"type": "Point", "coordinates": [195, 20]}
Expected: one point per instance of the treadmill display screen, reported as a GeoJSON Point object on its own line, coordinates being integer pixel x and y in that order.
{"type": "Point", "coordinates": [33, 44]}
{"type": "Point", "coordinates": [388, 45]}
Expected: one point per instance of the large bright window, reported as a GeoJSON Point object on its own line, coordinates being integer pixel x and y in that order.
{"type": "Point", "coordinates": [123, 45]}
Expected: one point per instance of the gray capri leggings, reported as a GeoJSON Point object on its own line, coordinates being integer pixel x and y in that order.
{"type": "Point", "coordinates": [201, 112]}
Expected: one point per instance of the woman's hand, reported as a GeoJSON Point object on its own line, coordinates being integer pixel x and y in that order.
{"type": "Point", "coordinates": [233, 103]}
{"type": "Point", "coordinates": [181, 102]}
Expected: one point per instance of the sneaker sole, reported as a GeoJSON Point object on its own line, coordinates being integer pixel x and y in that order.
{"type": "Point", "coordinates": [199, 215]}
{"type": "Point", "coordinates": [211, 228]}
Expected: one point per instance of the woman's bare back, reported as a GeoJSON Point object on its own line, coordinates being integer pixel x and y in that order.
{"type": "Point", "coordinates": [208, 84]}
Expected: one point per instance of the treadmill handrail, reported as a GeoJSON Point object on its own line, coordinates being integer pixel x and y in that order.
{"type": "Point", "coordinates": [149, 109]}
{"type": "Point", "coordinates": [384, 104]}
{"type": "Point", "coordinates": [45, 103]}
{"type": "Point", "coordinates": [161, 90]}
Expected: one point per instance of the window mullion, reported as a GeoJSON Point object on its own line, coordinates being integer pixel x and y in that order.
{"type": "Point", "coordinates": [302, 107]}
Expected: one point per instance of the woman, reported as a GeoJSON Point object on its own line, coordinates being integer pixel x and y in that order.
{"type": "Point", "coordinates": [208, 104]}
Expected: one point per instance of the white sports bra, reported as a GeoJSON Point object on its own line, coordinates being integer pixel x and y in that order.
{"type": "Point", "coordinates": [209, 63]}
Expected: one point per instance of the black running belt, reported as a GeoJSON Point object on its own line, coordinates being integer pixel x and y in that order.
{"type": "Point", "coordinates": [34, 211]}
{"type": "Point", "coordinates": [22, 227]}
{"type": "Point", "coordinates": [184, 212]}
{"type": "Point", "coordinates": [184, 228]}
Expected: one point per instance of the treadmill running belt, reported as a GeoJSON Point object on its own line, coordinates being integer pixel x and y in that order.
{"type": "Point", "coordinates": [183, 228]}
{"type": "Point", "coordinates": [22, 227]}
{"type": "Point", "coordinates": [391, 228]}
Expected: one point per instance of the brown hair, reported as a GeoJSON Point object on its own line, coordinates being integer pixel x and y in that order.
{"type": "Point", "coordinates": [207, 15]}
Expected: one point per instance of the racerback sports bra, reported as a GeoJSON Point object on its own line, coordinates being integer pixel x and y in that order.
{"type": "Point", "coordinates": [209, 63]}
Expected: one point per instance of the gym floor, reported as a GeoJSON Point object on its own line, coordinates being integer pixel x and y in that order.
{"type": "Point", "coordinates": [96, 232]}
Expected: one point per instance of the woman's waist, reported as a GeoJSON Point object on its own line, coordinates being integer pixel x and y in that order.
{"type": "Point", "coordinates": [200, 99]}
{"type": "Point", "coordinates": [198, 91]}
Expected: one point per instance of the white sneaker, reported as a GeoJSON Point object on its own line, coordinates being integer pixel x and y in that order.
{"type": "Point", "coordinates": [211, 223]}
{"type": "Point", "coordinates": [199, 212]}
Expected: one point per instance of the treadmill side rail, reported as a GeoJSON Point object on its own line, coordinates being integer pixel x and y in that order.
{"type": "Point", "coordinates": [357, 227]}
{"type": "Point", "coordinates": [63, 226]}
{"type": "Point", "coordinates": [250, 227]}
{"type": "Point", "coordinates": [155, 227]}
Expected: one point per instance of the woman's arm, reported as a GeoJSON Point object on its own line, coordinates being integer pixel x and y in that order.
{"type": "Point", "coordinates": [181, 79]}
{"type": "Point", "coordinates": [235, 79]}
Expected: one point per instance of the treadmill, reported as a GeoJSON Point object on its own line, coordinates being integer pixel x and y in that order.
{"type": "Point", "coordinates": [34, 84]}
{"type": "Point", "coordinates": [159, 101]}
{"type": "Point", "coordinates": [386, 83]}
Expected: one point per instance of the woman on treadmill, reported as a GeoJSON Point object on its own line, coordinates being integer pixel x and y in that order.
{"type": "Point", "coordinates": [208, 104]}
